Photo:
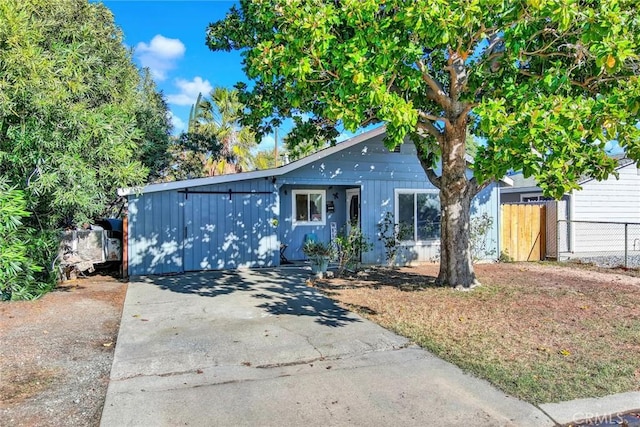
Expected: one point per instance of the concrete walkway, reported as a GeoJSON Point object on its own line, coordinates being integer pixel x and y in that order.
{"type": "Point", "coordinates": [259, 348]}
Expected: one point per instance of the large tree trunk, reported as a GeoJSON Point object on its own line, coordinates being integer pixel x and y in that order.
{"type": "Point", "coordinates": [456, 268]}
{"type": "Point", "coordinates": [456, 193]}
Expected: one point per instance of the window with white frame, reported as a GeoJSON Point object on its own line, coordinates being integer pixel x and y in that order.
{"type": "Point", "coordinates": [418, 214]}
{"type": "Point", "coordinates": [309, 207]}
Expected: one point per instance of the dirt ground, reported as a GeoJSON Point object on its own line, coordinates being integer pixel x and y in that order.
{"type": "Point", "coordinates": [56, 354]}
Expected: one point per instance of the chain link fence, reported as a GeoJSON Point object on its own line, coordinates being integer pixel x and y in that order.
{"type": "Point", "coordinates": [606, 244]}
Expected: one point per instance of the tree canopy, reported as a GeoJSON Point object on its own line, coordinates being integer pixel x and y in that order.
{"type": "Point", "coordinates": [546, 83]}
{"type": "Point", "coordinates": [215, 143]}
{"type": "Point", "coordinates": [77, 121]}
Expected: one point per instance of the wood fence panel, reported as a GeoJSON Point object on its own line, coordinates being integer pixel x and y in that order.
{"type": "Point", "coordinates": [522, 231]}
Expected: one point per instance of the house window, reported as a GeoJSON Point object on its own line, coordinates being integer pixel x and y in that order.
{"type": "Point", "coordinates": [534, 198]}
{"type": "Point", "coordinates": [418, 214]}
{"type": "Point", "coordinates": [309, 207]}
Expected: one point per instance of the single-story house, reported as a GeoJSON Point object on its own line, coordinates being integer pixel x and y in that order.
{"type": "Point", "coordinates": [591, 220]}
{"type": "Point", "coordinates": [261, 218]}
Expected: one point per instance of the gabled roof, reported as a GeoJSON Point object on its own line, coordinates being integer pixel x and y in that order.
{"type": "Point", "coordinates": [520, 183]}
{"type": "Point", "coordinates": [265, 173]}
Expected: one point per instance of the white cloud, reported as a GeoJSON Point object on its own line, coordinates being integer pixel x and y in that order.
{"type": "Point", "coordinates": [178, 124]}
{"type": "Point", "coordinates": [189, 90]}
{"type": "Point", "coordinates": [160, 55]}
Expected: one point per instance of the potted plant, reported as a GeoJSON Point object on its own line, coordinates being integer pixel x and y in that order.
{"type": "Point", "coordinates": [319, 255]}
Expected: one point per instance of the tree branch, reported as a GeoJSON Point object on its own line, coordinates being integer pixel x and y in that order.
{"type": "Point", "coordinates": [323, 69]}
{"type": "Point", "coordinates": [428, 116]}
{"type": "Point", "coordinates": [429, 128]}
{"type": "Point", "coordinates": [426, 161]}
{"type": "Point", "coordinates": [548, 55]}
{"type": "Point", "coordinates": [473, 188]}
{"type": "Point", "coordinates": [393, 79]}
{"type": "Point", "coordinates": [475, 37]}
{"type": "Point", "coordinates": [432, 176]}
{"type": "Point", "coordinates": [465, 112]}
{"type": "Point", "coordinates": [457, 74]}
{"type": "Point", "coordinates": [437, 94]}
{"type": "Point", "coordinates": [590, 84]}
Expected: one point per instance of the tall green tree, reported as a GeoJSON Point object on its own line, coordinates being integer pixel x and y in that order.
{"type": "Point", "coordinates": [219, 115]}
{"type": "Point", "coordinates": [76, 119]}
{"type": "Point", "coordinates": [266, 159]}
{"type": "Point", "coordinates": [215, 137]}
{"type": "Point", "coordinates": [152, 118]}
{"type": "Point", "coordinates": [545, 82]}
{"type": "Point", "coordinates": [69, 94]}
{"type": "Point", "coordinates": [191, 150]}
{"type": "Point", "coordinates": [307, 137]}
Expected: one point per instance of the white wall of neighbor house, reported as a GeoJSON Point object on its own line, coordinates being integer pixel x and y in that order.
{"type": "Point", "coordinates": [615, 200]}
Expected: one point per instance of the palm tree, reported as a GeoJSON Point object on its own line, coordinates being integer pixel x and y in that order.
{"type": "Point", "coordinates": [264, 159]}
{"type": "Point", "coordinates": [219, 116]}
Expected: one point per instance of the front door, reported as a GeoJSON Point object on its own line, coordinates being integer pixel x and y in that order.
{"type": "Point", "coordinates": [353, 209]}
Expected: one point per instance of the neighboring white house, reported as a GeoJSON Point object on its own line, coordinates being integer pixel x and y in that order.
{"type": "Point", "coordinates": [594, 219]}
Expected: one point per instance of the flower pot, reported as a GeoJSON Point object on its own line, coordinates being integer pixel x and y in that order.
{"type": "Point", "coordinates": [319, 265]}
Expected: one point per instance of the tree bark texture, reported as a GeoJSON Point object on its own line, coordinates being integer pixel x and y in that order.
{"type": "Point", "coordinates": [456, 194]}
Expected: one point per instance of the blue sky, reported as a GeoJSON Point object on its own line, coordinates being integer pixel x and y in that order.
{"type": "Point", "coordinates": [168, 37]}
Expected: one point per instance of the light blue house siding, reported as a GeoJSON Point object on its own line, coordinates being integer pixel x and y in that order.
{"type": "Point", "coordinates": [198, 225]}
{"type": "Point", "coordinates": [204, 228]}
{"type": "Point", "coordinates": [378, 173]}
{"type": "Point", "coordinates": [155, 233]}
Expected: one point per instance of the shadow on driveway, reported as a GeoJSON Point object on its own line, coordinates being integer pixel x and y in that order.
{"type": "Point", "coordinates": [278, 292]}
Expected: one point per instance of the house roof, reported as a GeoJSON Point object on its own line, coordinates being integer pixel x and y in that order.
{"type": "Point", "coordinates": [264, 173]}
{"type": "Point", "coordinates": [520, 183]}
{"type": "Point", "coordinates": [622, 160]}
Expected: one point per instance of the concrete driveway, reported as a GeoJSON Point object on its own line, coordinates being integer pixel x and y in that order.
{"type": "Point", "coordinates": [259, 348]}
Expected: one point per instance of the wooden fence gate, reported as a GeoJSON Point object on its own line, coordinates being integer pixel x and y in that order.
{"type": "Point", "coordinates": [522, 231]}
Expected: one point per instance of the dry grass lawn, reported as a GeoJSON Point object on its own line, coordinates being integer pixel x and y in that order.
{"type": "Point", "coordinates": [541, 332]}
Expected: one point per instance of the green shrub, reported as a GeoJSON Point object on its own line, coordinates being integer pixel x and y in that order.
{"type": "Point", "coordinates": [480, 228]}
{"type": "Point", "coordinates": [349, 248]}
{"type": "Point", "coordinates": [392, 235]}
{"type": "Point", "coordinates": [317, 250]}
{"type": "Point", "coordinates": [25, 251]}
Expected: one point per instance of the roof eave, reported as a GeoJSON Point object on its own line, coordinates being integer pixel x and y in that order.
{"type": "Point", "coordinates": [265, 173]}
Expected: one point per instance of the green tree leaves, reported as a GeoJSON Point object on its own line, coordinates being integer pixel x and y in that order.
{"type": "Point", "coordinates": [545, 82]}
{"type": "Point", "coordinates": [216, 142]}
{"type": "Point", "coordinates": [76, 119]}
{"type": "Point", "coordinates": [20, 247]}
{"type": "Point", "coordinates": [70, 108]}
{"type": "Point", "coordinates": [571, 67]}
